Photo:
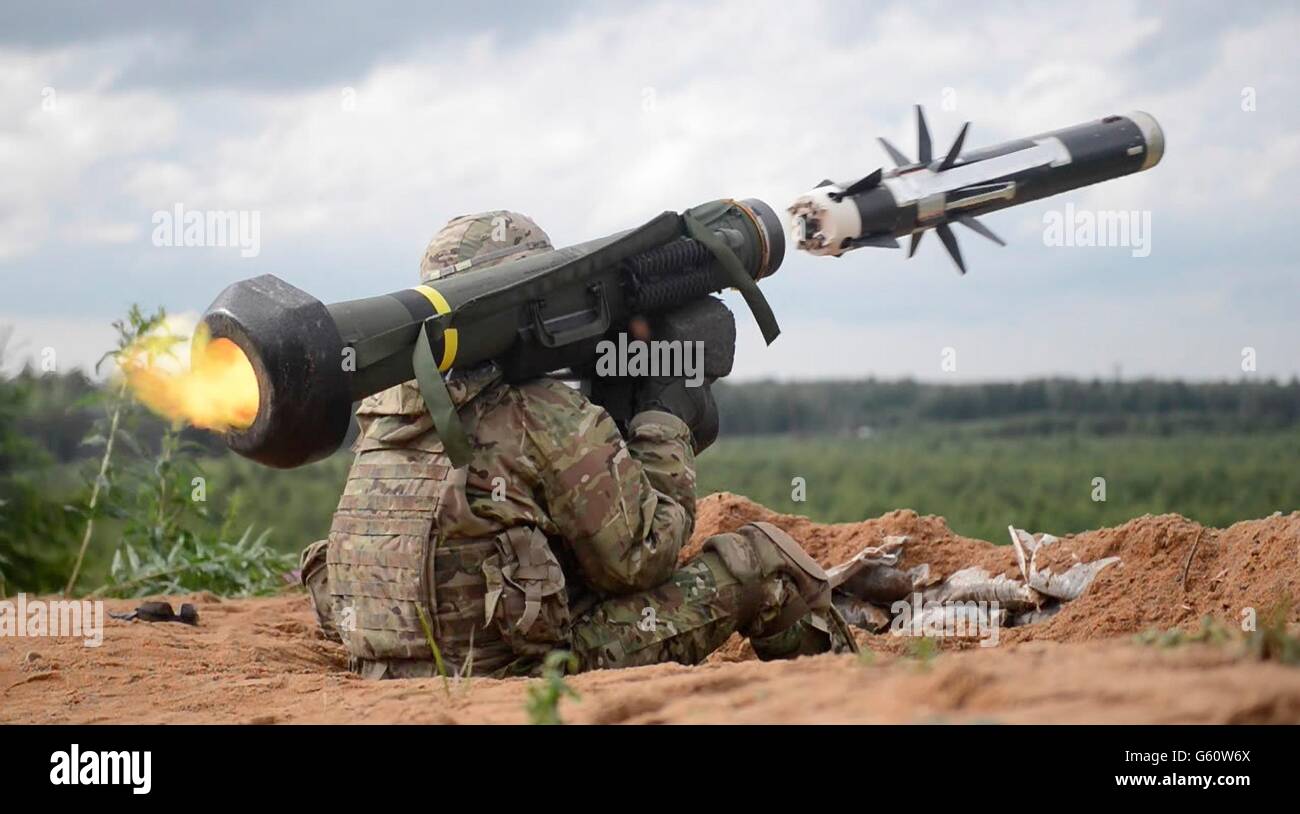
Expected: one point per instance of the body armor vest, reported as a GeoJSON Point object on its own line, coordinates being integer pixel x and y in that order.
{"type": "Point", "coordinates": [406, 555]}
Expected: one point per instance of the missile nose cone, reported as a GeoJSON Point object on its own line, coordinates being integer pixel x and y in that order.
{"type": "Point", "coordinates": [1154, 136]}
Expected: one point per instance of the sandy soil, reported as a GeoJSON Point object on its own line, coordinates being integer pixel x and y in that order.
{"type": "Point", "coordinates": [259, 660]}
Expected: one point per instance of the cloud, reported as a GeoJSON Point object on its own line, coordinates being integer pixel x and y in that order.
{"type": "Point", "coordinates": [52, 134]}
{"type": "Point", "coordinates": [594, 120]}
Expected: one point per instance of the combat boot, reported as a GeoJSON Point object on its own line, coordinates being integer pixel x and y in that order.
{"type": "Point", "coordinates": [785, 599]}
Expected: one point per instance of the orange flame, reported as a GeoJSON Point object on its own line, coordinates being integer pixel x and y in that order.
{"type": "Point", "coordinates": [218, 392]}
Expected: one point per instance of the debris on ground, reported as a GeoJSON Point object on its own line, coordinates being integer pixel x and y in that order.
{"type": "Point", "coordinates": [160, 612]}
{"type": "Point", "coordinates": [869, 586]}
{"type": "Point", "coordinates": [1065, 586]}
{"type": "Point", "coordinates": [1163, 578]}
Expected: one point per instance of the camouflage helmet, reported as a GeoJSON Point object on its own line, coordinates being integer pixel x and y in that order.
{"type": "Point", "coordinates": [478, 241]}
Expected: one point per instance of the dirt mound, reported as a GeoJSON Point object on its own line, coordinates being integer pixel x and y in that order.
{"type": "Point", "coordinates": [1171, 573]}
{"type": "Point", "coordinates": [261, 661]}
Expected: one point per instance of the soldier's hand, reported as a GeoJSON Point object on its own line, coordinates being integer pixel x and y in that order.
{"type": "Point", "coordinates": [692, 403]}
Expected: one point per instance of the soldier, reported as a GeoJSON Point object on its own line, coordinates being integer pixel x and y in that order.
{"type": "Point", "coordinates": [560, 534]}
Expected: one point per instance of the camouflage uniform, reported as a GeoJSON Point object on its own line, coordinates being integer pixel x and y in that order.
{"type": "Point", "coordinates": [560, 534]}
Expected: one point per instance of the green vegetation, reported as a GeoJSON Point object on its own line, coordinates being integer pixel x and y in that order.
{"type": "Point", "coordinates": [296, 504]}
{"type": "Point", "coordinates": [245, 567]}
{"type": "Point", "coordinates": [544, 695]}
{"type": "Point", "coordinates": [980, 481]}
{"type": "Point", "coordinates": [1211, 631]}
{"type": "Point", "coordinates": [31, 517]}
{"type": "Point", "coordinates": [1270, 640]}
{"type": "Point", "coordinates": [1031, 408]}
{"type": "Point", "coordinates": [984, 482]}
{"type": "Point", "coordinates": [983, 456]}
{"type": "Point", "coordinates": [160, 521]}
{"type": "Point", "coordinates": [136, 513]}
{"type": "Point", "coordinates": [923, 649]}
{"type": "Point", "coordinates": [434, 649]}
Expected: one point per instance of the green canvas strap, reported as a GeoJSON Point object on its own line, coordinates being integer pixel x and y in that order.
{"type": "Point", "coordinates": [736, 273]}
{"type": "Point", "coordinates": [436, 398]}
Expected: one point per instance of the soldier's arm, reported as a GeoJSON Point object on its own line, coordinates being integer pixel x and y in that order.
{"type": "Point", "coordinates": [626, 506]}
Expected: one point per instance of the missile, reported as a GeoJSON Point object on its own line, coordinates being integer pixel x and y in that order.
{"type": "Point", "coordinates": [934, 192]}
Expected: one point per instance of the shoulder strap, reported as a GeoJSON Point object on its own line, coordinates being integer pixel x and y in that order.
{"type": "Point", "coordinates": [434, 390]}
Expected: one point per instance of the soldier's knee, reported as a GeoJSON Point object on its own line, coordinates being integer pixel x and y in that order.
{"type": "Point", "coordinates": [780, 582]}
{"type": "Point", "coordinates": [615, 568]}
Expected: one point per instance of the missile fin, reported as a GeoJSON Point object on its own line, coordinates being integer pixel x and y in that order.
{"type": "Point", "coordinates": [875, 241]}
{"type": "Point", "coordinates": [864, 183]}
{"type": "Point", "coordinates": [975, 226]}
{"type": "Point", "coordinates": [825, 183]}
{"type": "Point", "coordinates": [916, 241]}
{"type": "Point", "coordinates": [898, 158]}
{"type": "Point", "coordinates": [922, 138]}
{"type": "Point", "coordinates": [950, 243]}
{"type": "Point", "coordinates": [861, 185]}
{"type": "Point", "coordinates": [955, 149]}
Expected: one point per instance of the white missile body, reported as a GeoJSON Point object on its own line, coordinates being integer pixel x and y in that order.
{"type": "Point", "coordinates": [915, 196]}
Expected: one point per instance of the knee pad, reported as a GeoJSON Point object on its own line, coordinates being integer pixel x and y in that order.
{"type": "Point", "coordinates": [780, 583]}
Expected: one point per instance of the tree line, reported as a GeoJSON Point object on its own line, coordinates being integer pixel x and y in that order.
{"type": "Point", "coordinates": [58, 409]}
{"type": "Point", "coordinates": [1032, 407]}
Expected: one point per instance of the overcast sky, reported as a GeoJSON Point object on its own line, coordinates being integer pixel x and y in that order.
{"type": "Point", "coordinates": [356, 131]}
